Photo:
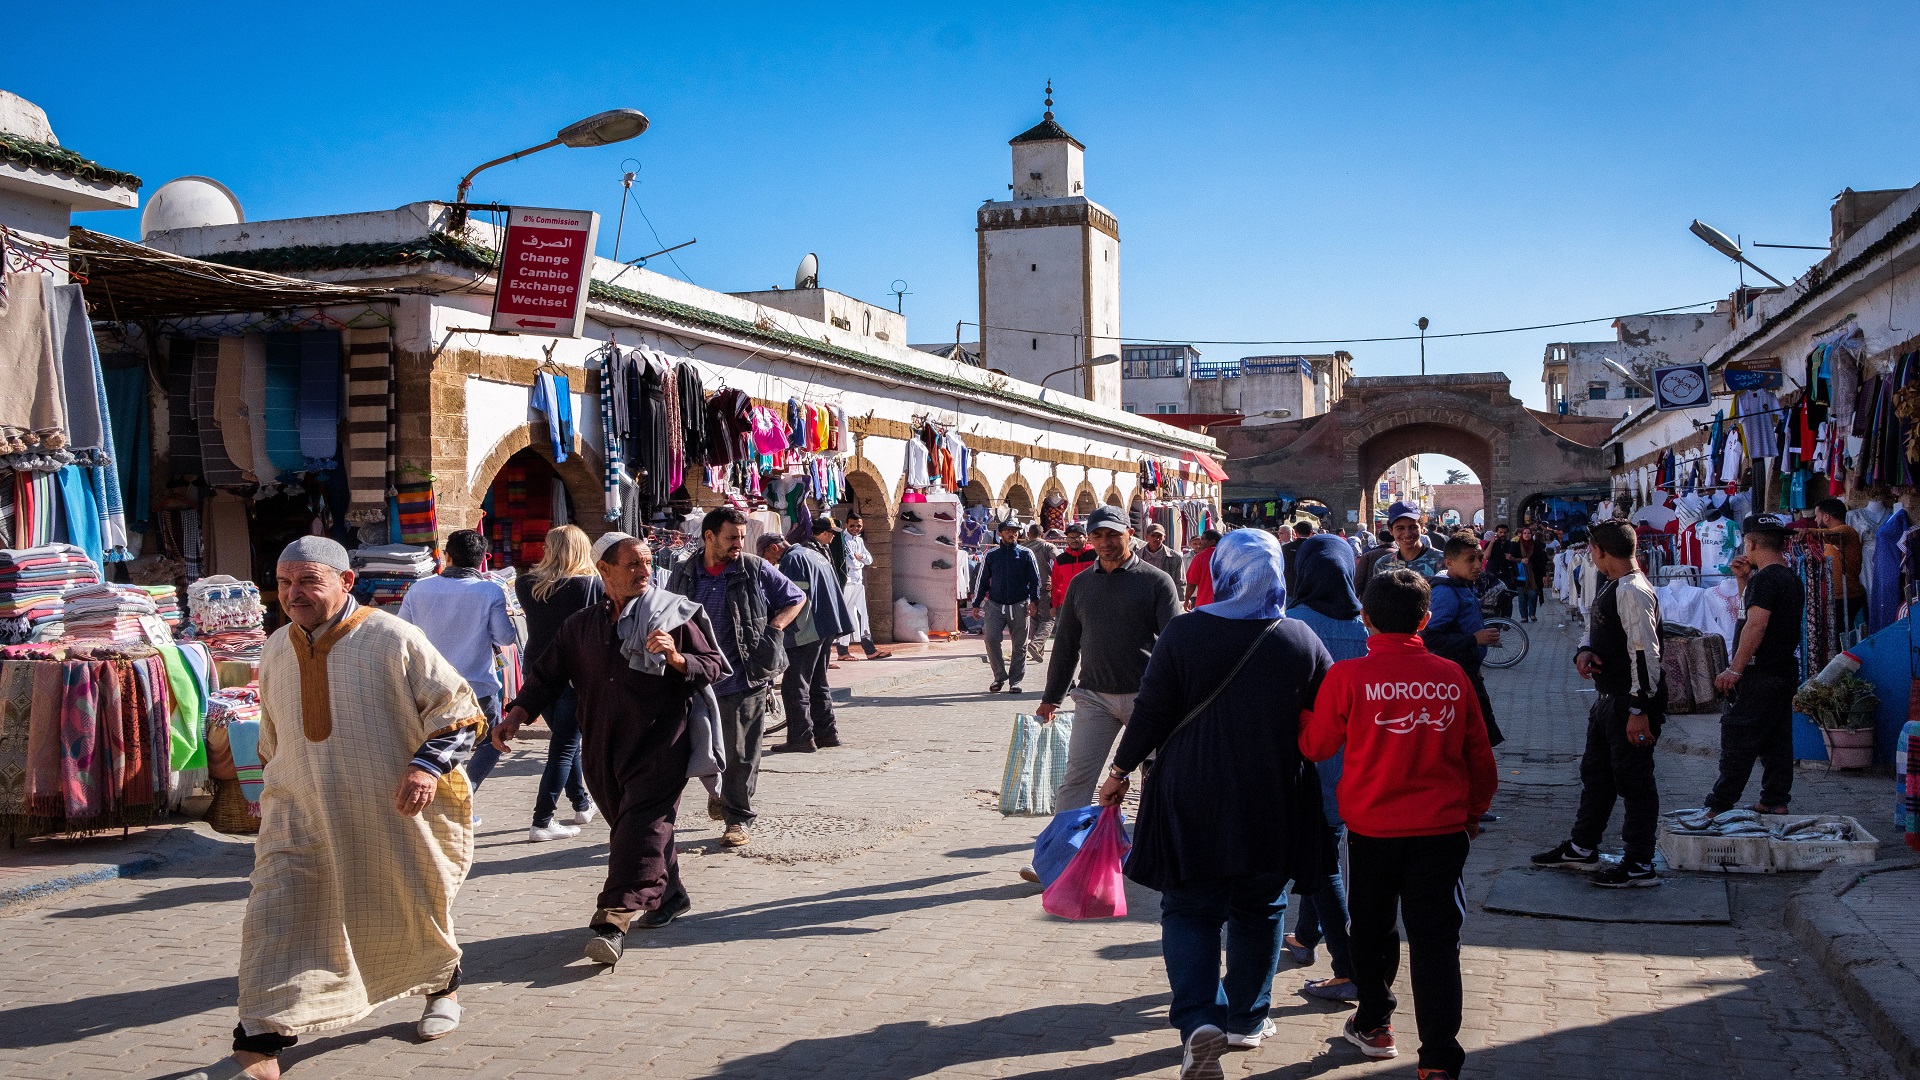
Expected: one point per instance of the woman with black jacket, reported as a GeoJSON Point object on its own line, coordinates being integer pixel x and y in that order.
{"type": "Point", "coordinates": [562, 583]}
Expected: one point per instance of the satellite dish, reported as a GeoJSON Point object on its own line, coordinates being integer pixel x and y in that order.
{"type": "Point", "coordinates": [189, 203]}
{"type": "Point", "coordinates": [808, 276]}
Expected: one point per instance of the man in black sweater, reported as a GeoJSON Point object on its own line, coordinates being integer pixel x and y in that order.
{"type": "Point", "coordinates": [1622, 657]}
{"type": "Point", "coordinates": [1758, 722]}
{"type": "Point", "coordinates": [1105, 629]}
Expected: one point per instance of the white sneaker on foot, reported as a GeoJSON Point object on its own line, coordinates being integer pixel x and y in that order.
{"type": "Point", "coordinates": [1253, 1041]}
{"type": "Point", "coordinates": [1201, 1058]}
{"type": "Point", "coordinates": [581, 817]}
{"type": "Point", "coordinates": [556, 831]}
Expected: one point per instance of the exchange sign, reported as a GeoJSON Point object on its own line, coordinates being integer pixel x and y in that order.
{"type": "Point", "coordinates": [545, 264]}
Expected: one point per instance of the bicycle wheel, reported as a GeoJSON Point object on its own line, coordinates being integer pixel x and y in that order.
{"type": "Point", "coordinates": [1513, 644]}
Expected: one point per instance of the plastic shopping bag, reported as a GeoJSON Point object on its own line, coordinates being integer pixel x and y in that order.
{"type": "Point", "coordinates": [1093, 887]}
{"type": "Point", "coordinates": [1061, 840]}
{"type": "Point", "coordinates": [1036, 764]}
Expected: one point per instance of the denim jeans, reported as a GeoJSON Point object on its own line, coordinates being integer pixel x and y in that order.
{"type": "Point", "coordinates": [485, 757]}
{"type": "Point", "coordinates": [1252, 909]}
{"type": "Point", "coordinates": [1323, 917]}
{"type": "Point", "coordinates": [563, 762]}
{"type": "Point", "coordinates": [1529, 601]}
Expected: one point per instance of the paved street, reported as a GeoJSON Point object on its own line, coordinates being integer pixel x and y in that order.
{"type": "Point", "coordinates": [877, 929]}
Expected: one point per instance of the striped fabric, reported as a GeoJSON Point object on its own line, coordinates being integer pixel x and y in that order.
{"type": "Point", "coordinates": [1036, 764]}
{"type": "Point", "coordinates": [183, 443]}
{"type": "Point", "coordinates": [614, 463]}
{"type": "Point", "coordinates": [369, 357]}
{"type": "Point", "coordinates": [418, 523]}
{"type": "Point", "coordinates": [217, 469]}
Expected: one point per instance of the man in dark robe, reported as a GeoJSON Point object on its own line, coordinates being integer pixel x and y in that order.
{"type": "Point", "coordinates": [634, 738]}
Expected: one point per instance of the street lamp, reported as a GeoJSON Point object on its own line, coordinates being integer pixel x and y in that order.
{"type": "Point", "coordinates": [1099, 361]}
{"type": "Point", "coordinates": [1725, 245]}
{"type": "Point", "coordinates": [600, 129]}
{"type": "Point", "coordinates": [1278, 414]}
{"type": "Point", "coordinates": [1422, 324]}
{"type": "Point", "coordinates": [1625, 374]}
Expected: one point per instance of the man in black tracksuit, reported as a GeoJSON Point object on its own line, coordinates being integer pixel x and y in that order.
{"type": "Point", "coordinates": [1758, 722]}
{"type": "Point", "coordinates": [1622, 657]}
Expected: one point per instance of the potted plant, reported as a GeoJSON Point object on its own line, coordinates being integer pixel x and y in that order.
{"type": "Point", "coordinates": [1844, 711]}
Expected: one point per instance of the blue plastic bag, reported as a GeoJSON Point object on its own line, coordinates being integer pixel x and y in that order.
{"type": "Point", "coordinates": [1060, 841]}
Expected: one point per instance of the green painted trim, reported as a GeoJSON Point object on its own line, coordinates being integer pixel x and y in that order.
{"type": "Point", "coordinates": [59, 159]}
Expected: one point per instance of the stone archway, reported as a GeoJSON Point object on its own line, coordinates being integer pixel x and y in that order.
{"type": "Point", "coordinates": [1336, 456]}
{"type": "Point", "coordinates": [869, 497]}
{"type": "Point", "coordinates": [976, 493]}
{"type": "Point", "coordinates": [581, 474]}
{"type": "Point", "coordinates": [1114, 498]}
{"type": "Point", "coordinates": [1016, 496]}
{"type": "Point", "coordinates": [1085, 501]}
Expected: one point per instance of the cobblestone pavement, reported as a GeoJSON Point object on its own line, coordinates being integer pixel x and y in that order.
{"type": "Point", "coordinates": [876, 928]}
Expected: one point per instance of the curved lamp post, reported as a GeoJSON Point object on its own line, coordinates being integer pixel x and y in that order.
{"type": "Point", "coordinates": [600, 129]}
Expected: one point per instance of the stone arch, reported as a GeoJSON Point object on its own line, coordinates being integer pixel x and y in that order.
{"type": "Point", "coordinates": [869, 496]}
{"type": "Point", "coordinates": [582, 475]}
{"type": "Point", "coordinates": [1017, 496]}
{"type": "Point", "coordinates": [1113, 496]}
{"type": "Point", "coordinates": [976, 493]}
{"type": "Point", "coordinates": [1084, 500]}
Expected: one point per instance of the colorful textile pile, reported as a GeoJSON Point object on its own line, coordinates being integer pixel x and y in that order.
{"type": "Point", "coordinates": [418, 523]}
{"type": "Point", "coordinates": [117, 613]}
{"type": "Point", "coordinates": [166, 603]}
{"type": "Point", "coordinates": [383, 573]}
{"type": "Point", "coordinates": [85, 732]}
{"type": "Point", "coordinates": [227, 617]}
{"type": "Point", "coordinates": [32, 583]}
{"type": "Point", "coordinates": [237, 709]}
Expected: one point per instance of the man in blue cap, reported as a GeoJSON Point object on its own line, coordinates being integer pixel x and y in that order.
{"type": "Point", "coordinates": [1410, 549]}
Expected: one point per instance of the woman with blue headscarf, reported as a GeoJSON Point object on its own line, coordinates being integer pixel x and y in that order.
{"type": "Point", "coordinates": [1230, 811]}
{"type": "Point", "coordinates": [1324, 599]}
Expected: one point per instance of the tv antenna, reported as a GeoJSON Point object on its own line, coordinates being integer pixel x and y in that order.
{"type": "Point", "coordinates": [899, 291]}
{"type": "Point", "coordinates": [627, 177]}
{"type": "Point", "coordinates": [808, 275]}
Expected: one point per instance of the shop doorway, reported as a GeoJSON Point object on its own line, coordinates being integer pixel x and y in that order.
{"type": "Point", "coordinates": [526, 499]}
{"type": "Point", "coordinates": [870, 502]}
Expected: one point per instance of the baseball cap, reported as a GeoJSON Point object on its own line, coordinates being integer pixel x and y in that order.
{"type": "Point", "coordinates": [1076, 527]}
{"type": "Point", "coordinates": [1108, 517]}
{"type": "Point", "coordinates": [769, 539]}
{"type": "Point", "coordinates": [1402, 510]}
{"type": "Point", "coordinates": [1765, 523]}
{"type": "Point", "coordinates": [824, 525]}
{"type": "Point", "coordinates": [1156, 529]}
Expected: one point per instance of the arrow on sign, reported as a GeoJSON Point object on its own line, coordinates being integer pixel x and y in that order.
{"type": "Point", "coordinates": [532, 322]}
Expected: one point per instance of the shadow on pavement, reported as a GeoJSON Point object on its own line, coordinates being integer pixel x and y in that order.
{"type": "Point", "coordinates": [70, 1021]}
{"type": "Point", "coordinates": [161, 899]}
{"type": "Point", "coordinates": [988, 852]}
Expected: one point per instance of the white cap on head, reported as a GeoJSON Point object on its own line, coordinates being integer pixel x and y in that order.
{"type": "Point", "coordinates": [608, 541]}
{"type": "Point", "coordinates": [317, 549]}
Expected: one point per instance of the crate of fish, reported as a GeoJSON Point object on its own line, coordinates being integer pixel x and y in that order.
{"type": "Point", "coordinates": [1818, 841]}
{"type": "Point", "coordinates": [1736, 842]}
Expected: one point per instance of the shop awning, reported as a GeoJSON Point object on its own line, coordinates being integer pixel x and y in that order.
{"type": "Point", "coordinates": [125, 280]}
{"type": "Point", "coordinates": [1207, 465]}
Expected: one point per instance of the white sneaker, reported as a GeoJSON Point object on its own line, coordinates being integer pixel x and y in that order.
{"type": "Point", "coordinates": [1253, 1041]}
{"type": "Point", "coordinates": [555, 831]}
{"type": "Point", "coordinates": [581, 817]}
{"type": "Point", "coordinates": [1201, 1058]}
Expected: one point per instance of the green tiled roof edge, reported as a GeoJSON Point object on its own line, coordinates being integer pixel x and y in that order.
{"type": "Point", "coordinates": [61, 160]}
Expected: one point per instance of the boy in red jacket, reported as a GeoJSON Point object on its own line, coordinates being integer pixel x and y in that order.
{"type": "Point", "coordinates": [1418, 775]}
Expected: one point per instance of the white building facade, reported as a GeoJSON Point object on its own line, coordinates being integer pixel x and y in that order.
{"type": "Point", "coordinates": [1579, 383]}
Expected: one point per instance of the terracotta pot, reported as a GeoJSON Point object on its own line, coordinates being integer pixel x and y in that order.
{"type": "Point", "coordinates": [1848, 748]}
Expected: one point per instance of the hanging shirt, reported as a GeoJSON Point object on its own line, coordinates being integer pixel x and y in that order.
{"type": "Point", "coordinates": [917, 472]}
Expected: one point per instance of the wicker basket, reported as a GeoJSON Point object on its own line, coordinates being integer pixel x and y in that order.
{"type": "Point", "coordinates": [229, 813]}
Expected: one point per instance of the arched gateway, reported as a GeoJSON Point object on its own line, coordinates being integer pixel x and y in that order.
{"type": "Point", "coordinates": [1518, 453]}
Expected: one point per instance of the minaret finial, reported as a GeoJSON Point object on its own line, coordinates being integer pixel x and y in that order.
{"type": "Point", "coordinates": [1049, 115]}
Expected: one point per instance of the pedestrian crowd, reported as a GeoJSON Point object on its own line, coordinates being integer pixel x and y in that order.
{"type": "Point", "coordinates": [1307, 715]}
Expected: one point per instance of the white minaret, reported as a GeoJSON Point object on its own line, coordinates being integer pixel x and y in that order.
{"type": "Point", "coordinates": [1050, 270]}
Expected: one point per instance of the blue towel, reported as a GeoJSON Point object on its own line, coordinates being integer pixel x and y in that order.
{"type": "Point", "coordinates": [82, 513]}
{"type": "Point", "coordinates": [283, 404]}
{"type": "Point", "coordinates": [125, 395]}
{"type": "Point", "coordinates": [320, 399]}
{"type": "Point", "coordinates": [554, 397]}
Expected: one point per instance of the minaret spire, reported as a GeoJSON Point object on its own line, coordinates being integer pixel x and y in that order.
{"type": "Point", "coordinates": [1049, 114]}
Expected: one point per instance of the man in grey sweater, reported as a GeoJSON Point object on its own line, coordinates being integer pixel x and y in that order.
{"type": "Point", "coordinates": [1105, 629]}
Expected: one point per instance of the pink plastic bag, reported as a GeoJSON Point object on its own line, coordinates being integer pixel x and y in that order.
{"type": "Point", "coordinates": [1092, 886]}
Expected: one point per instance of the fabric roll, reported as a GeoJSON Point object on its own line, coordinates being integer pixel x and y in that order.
{"type": "Point", "coordinates": [282, 404]}
{"type": "Point", "coordinates": [72, 337]}
{"type": "Point", "coordinates": [31, 404]}
{"type": "Point", "coordinates": [216, 468]}
{"type": "Point", "coordinates": [130, 423]}
{"type": "Point", "coordinates": [319, 408]}
{"type": "Point", "coordinates": [369, 354]}
{"type": "Point", "coordinates": [253, 394]}
{"type": "Point", "coordinates": [230, 405]}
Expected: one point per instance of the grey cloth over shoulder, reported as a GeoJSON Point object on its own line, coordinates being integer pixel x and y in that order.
{"type": "Point", "coordinates": [658, 609]}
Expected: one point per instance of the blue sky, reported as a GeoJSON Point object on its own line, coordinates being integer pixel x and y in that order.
{"type": "Point", "coordinates": [1278, 171]}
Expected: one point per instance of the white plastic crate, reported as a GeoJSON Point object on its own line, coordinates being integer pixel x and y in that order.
{"type": "Point", "coordinates": [1728, 854]}
{"type": "Point", "coordinates": [1790, 856]}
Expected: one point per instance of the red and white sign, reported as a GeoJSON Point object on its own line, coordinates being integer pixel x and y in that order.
{"type": "Point", "coordinates": [545, 264]}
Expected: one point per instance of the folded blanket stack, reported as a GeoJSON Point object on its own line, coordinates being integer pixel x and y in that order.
{"type": "Point", "coordinates": [102, 612]}
{"type": "Point", "coordinates": [32, 583]}
{"type": "Point", "coordinates": [227, 617]}
{"type": "Point", "coordinates": [384, 572]}
{"type": "Point", "coordinates": [166, 603]}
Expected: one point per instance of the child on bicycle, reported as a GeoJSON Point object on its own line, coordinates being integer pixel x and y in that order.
{"type": "Point", "coordinates": [1457, 629]}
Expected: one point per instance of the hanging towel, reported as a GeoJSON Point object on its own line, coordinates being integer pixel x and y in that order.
{"type": "Point", "coordinates": [229, 547]}
{"type": "Point", "coordinates": [418, 524]}
{"type": "Point", "coordinates": [320, 399]}
{"type": "Point", "coordinates": [79, 730]}
{"type": "Point", "coordinates": [72, 337]}
{"type": "Point", "coordinates": [253, 393]}
{"type": "Point", "coordinates": [230, 405]}
{"type": "Point", "coordinates": [130, 422]}
{"type": "Point", "coordinates": [553, 397]}
{"type": "Point", "coordinates": [217, 469]}
{"type": "Point", "coordinates": [282, 404]}
{"type": "Point", "coordinates": [243, 737]}
{"type": "Point", "coordinates": [80, 513]}
{"type": "Point", "coordinates": [186, 722]}
{"type": "Point", "coordinates": [31, 419]}
{"type": "Point", "coordinates": [369, 352]}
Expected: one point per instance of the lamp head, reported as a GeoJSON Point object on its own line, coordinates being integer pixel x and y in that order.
{"type": "Point", "coordinates": [1715, 239]}
{"type": "Point", "coordinates": [1421, 322]}
{"type": "Point", "coordinates": [601, 129]}
{"type": "Point", "coordinates": [1104, 359]}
